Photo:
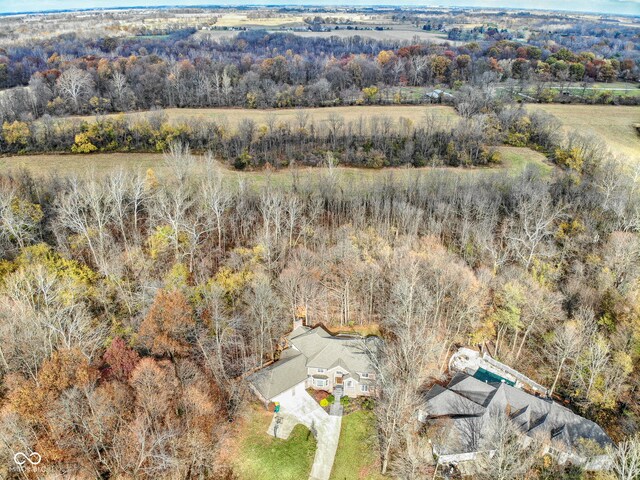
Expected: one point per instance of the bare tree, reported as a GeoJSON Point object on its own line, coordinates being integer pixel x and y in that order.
{"type": "Point", "coordinates": [625, 458]}
{"type": "Point", "coordinates": [75, 85]}
{"type": "Point", "coordinates": [505, 453]}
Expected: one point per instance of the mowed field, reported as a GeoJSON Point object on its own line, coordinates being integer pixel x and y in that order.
{"type": "Point", "coordinates": [233, 116]}
{"type": "Point", "coordinates": [395, 33]}
{"type": "Point", "coordinates": [612, 124]}
{"type": "Point", "coordinates": [515, 161]}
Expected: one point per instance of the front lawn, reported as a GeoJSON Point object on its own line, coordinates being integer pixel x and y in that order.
{"type": "Point", "coordinates": [258, 455]}
{"type": "Point", "coordinates": [357, 456]}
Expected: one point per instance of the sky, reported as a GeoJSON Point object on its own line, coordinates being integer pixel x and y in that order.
{"type": "Point", "coordinates": [627, 7]}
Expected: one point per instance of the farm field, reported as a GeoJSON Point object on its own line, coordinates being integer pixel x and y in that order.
{"type": "Point", "coordinates": [400, 34]}
{"type": "Point", "coordinates": [612, 124]}
{"type": "Point", "coordinates": [233, 116]}
{"type": "Point", "coordinates": [515, 159]}
{"type": "Point", "coordinates": [241, 20]}
{"type": "Point", "coordinates": [616, 89]}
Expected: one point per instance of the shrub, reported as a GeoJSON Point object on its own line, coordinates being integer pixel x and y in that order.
{"type": "Point", "coordinates": [331, 399]}
{"type": "Point", "coordinates": [367, 404]}
{"type": "Point", "coordinates": [324, 402]}
{"type": "Point", "coordinates": [516, 139]}
{"type": "Point", "coordinates": [344, 401]}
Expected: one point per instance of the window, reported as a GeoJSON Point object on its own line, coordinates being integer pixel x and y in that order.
{"type": "Point", "coordinates": [349, 383]}
{"type": "Point", "coordinates": [338, 372]}
{"type": "Point", "coordinates": [318, 382]}
{"type": "Point", "coordinates": [320, 370]}
{"type": "Point", "coordinates": [364, 388]}
{"type": "Point", "coordinates": [364, 375]}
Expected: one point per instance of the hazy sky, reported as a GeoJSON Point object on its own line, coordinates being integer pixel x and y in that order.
{"type": "Point", "coordinates": [629, 7]}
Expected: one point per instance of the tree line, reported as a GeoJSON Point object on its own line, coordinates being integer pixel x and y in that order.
{"type": "Point", "coordinates": [257, 69]}
{"type": "Point", "coordinates": [485, 122]}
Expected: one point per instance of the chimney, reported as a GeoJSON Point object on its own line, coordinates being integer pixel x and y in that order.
{"type": "Point", "coordinates": [300, 318]}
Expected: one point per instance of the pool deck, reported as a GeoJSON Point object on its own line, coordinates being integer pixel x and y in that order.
{"type": "Point", "coordinates": [471, 361]}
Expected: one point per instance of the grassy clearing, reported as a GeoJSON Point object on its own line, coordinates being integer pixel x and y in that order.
{"type": "Point", "coordinates": [514, 159]}
{"type": "Point", "coordinates": [233, 116]}
{"type": "Point", "coordinates": [254, 454]}
{"type": "Point", "coordinates": [616, 89]}
{"type": "Point", "coordinates": [357, 456]}
{"type": "Point", "coordinates": [82, 164]}
{"type": "Point", "coordinates": [240, 20]}
{"type": "Point", "coordinates": [395, 33]}
{"type": "Point", "coordinates": [612, 124]}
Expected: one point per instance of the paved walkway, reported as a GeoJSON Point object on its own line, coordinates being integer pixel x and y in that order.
{"type": "Point", "coordinates": [326, 428]}
{"type": "Point", "coordinates": [336, 406]}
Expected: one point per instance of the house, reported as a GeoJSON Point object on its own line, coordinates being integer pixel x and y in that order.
{"type": "Point", "coordinates": [437, 95]}
{"type": "Point", "coordinates": [313, 358]}
{"type": "Point", "coordinates": [467, 404]}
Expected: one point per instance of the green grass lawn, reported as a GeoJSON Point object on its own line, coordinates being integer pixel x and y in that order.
{"type": "Point", "coordinates": [261, 456]}
{"type": "Point", "coordinates": [357, 456]}
{"type": "Point", "coordinates": [516, 159]}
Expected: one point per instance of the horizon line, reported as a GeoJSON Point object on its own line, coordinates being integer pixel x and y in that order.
{"type": "Point", "coordinates": [301, 5]}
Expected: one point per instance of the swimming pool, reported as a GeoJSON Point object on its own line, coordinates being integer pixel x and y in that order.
{"type": "Point", "coordinates": [490, 377]}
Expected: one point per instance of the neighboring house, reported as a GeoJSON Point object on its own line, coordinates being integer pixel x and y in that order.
{"type": "Point", "coordinates": [437, 95]}
{"type": "Point", "coordinates": [313, 358]}
{"type": "Point", "coordinates": [467, 403]}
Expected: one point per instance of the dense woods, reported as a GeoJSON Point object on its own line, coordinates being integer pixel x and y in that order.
{"type": "Point", "coordinates": [132, 304]}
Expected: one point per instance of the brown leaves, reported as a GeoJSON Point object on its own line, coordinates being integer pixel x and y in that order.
{"type": "Point", "coordinates": [65, 369]}
{"type": "Point", "coordinates": [168, 325]}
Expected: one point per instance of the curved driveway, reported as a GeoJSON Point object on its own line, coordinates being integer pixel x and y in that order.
{"type": "Point", "coordinates": [326, 428]}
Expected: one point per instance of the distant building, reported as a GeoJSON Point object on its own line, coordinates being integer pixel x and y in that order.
{"type": "Point", "coordinates": [437, 95]}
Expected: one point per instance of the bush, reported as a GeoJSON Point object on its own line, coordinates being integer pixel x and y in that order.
{"type": "Point", "coordinates": [324, 402]}
{"type": "Point", "coordinates": [367, 404]}
{"type": "Point", "coordinates": [331, 399]}
{"type": "Point", "coordinates": [344, 401]}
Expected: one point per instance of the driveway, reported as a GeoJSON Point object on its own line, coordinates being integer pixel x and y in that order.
{"type": "Point", "coordinates": [326, 428]}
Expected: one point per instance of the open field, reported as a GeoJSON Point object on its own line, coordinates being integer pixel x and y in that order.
{"type": "Point", "coordinates": [514, 160]}
{"type": "Point", "coordinates": [254, 454]}
{"type": "Point", "coordinates": [611, 124]}
{"type": "Point", "coordinates": [616, 89]}
{"type": "Point", "coordinates": [233, 116]}
{"type": "Point", "coordinates": [397, 34]}
{"type": "Point", "coordinates": [242, 20]}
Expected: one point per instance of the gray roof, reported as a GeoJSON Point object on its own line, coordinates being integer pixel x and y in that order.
{"type": "Point", "coordinates": [472, 388]}
{"type": "Point", "coordinates": [324, 350]}
{"type": "Point", "coordinates": [536, 416]}
{"type": "Point", "coordinates": [445, 402]}
{"type": "Point", "coordinates": [314, 348]}
{"type": "Point", "coordinates": [280, 376]}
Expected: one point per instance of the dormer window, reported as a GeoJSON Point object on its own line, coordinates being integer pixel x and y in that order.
{"type": "Point", "coordinates": [320, 370]}
{"type": "Point", "coordinates": [364, 375]}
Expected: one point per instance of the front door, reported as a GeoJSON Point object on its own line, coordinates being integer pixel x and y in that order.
{"type": "Point", "coordinates": [339, 380]}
